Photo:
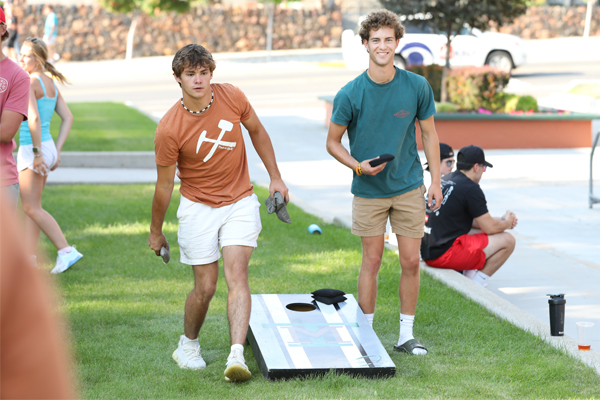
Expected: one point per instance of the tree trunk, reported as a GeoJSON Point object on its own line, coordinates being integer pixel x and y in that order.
{"type": "Point", "coordinates": [444, 91]}
{"type": "Point", "coordinates": [270, 9]}
{"type": "Point", "coordinates": [588, 19]}
{"type": "Point", "coordinates": [130, 38]}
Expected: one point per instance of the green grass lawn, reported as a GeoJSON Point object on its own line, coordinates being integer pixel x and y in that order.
{"type": "Point", "coordinates": [125, 309]}
{"type": "Point", "coordinates": [106, 127]}
{"type": "Point", "coordinates": [586, 90]}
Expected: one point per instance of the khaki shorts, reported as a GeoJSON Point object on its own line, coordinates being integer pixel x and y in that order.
{"type": "Point", "coordinates": [406, 213]}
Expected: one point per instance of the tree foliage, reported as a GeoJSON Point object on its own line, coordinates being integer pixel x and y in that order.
{"type": "Point", "coordinates": [448, 16]}
{"type": "Point", "coordinates": [146, 6]}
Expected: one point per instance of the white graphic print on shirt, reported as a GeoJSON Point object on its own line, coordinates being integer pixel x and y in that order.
{"type": "Point", "coordinates": [225, 126]}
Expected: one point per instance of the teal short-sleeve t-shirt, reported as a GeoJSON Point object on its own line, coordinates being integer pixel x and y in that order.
{"type": "Point", "coordinates": [381, 119]}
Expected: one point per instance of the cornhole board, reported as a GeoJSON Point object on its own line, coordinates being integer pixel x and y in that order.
{"type": "Point", "coordinates": [290, 344]}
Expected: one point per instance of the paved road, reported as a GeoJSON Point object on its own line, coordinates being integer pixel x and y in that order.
{"type": "Point", "coordinates": [558, 235]}
{"type": "Point", "coordinates": [149, 84]}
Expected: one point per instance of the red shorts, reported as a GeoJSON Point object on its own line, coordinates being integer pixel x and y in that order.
{"type": "Point", "coordinates": [466, 253]}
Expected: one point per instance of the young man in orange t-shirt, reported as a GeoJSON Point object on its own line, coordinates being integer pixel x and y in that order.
{"type": "Point", "coordinates": [201, 137]}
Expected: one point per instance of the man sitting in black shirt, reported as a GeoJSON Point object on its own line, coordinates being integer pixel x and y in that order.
{"type": "Point", "coordinates": [461, 234]}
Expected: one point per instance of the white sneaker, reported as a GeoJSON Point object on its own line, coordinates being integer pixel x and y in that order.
{"type": "Point", "coordinates": [469, 273]}
{"type": "Point", "coordinates": [66, 261]}
{"type": "Point", "coordinates": [236, 370]}
{"type": "Point", "coordinates": [187, 355]}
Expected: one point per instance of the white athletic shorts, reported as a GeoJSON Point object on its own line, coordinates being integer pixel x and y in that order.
{"type": "Point", "coordinates": [25, 155]}
{"type": "Point", "coordinates": [203, 229]}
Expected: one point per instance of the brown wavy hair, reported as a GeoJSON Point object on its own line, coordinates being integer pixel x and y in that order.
{"type": "Point", "coordinates": [378, 19]}
{"type": "Point", "coordinates": [6, 34]}
{"type": "Point", "coordinates": [192, 56]}
{"type": "Point", "coordinates": [40, 52]}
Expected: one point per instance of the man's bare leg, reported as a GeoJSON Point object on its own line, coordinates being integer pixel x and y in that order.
{"type": "Point", "coordinates": [500, 247]}
{"type": "Point", "coordinates": [369, 270]}
{"type": "Point", "coordinates": [239, 305]}
{"type": "Point", "coordinates": [187, 354]}
{"type": "Point", "coordinates": [408, 291]}
{"type": "Point", "coordinates": [235, 261]}
{"type": "Point", "coordinates": [410, 279]}
{"type": "Point", "coordinates": [196, 304]}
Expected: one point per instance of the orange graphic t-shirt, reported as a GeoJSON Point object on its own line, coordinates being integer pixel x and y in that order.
{"type": "Point", "coordinates": [208, 148]}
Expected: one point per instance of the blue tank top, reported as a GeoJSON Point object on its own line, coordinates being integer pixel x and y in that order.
{"type": "Point", "coordinates": [46, 108]}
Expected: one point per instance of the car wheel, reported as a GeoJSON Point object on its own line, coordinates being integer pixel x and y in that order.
{"type": "Point", "coordinates": [501, 60]}
{"type": "Point", "coordinates": [399, 62]}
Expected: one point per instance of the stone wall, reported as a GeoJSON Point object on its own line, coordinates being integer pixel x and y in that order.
{"type": "Point", "coordinates": [547, 22]}
{"type": "Point", "coordinates": [91, 33]}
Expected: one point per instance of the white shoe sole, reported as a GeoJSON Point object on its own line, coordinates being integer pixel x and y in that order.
{"type": "Point", "coordinates": [176, 358]}
{"type": "Point", "coordinates": [236, 372]}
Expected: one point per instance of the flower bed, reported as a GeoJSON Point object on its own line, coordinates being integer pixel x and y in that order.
{"type": "Point", "coordinates": [543, 130]}
{"type": "Point", "coordinates": [506, 131]}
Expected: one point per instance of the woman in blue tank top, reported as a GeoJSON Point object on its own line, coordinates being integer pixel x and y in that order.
{"type": "Point", "coordinates": [38, 155]}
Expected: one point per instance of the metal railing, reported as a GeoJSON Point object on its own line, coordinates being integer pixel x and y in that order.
{"type": "Point", "coordinates": [593, 199]}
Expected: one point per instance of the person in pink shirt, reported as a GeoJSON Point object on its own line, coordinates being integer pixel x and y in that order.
{"type": "Point", "coordinates": [14, 102]}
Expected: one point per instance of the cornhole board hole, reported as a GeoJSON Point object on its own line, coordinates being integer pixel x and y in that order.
{"type": "Point", "coordinates": [293, 336]}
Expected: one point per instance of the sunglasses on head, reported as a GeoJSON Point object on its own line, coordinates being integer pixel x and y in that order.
{"type": "Point", "coordinates": [31, 39]}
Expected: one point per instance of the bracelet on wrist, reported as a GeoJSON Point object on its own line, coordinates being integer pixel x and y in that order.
{"type": "Point", "coordinates": [358, 169]}
{"type": "Point", "coordinates": [38, 155]}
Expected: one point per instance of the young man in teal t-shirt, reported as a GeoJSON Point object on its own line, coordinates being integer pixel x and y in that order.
{"type": "Point", "coordinates": [379, 109]}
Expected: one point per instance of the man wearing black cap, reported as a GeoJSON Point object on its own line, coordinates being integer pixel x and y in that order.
{"type": "Point", "coordinates": [461, 234]}
{"type": "Point", "coordinates": [446, 164]}
{"type": "Point", "coordinates": [446, 159]}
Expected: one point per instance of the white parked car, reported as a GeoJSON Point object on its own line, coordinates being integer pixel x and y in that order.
{"type": "Point", "coordinates": [419, 46]}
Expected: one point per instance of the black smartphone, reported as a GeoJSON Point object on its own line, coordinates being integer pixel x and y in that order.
{"type": "Point", "coordinates": [382, 158]}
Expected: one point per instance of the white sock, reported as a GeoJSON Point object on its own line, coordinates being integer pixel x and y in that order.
{"type": "Point", "coordinates": [406, 332]}
{"type": "Point", "coordinates": [406, 328]}
{"type": "Point", "coordinates": [480, 278]}
{"type": "Point", "coordinates": [187, 339]}
{"type": "Point", "coordinates": [237, 346]}
{"type": "Point", "coordinates": [470, 273]}
{"type": "Point", "coordinates": [370, 318]}
{"type": "Point", "coordinates": [65, 250]}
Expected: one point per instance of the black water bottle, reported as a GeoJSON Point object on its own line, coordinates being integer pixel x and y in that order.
{"type": "Point", "coordinates": [557, 314]}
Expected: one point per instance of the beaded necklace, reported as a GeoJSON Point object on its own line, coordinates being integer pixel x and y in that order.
{"type": "Point", "coordinates": [204, 109]}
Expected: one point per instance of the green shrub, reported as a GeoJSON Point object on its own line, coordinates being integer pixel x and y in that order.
{"type": "Point", "coordinates": [433, 74]}
{"type": "Point", "coordinates": [527, 103]}
{"type": "Point", "coordinates": [472, 88]}
{"type": "Point", "coordinates": [521, 103]}
{"type": "Point", "coordinates": [446, 107]}
{"type": "Point", "coordinates": [511, 104]}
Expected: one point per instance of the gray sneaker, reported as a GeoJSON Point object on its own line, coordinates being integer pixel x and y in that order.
{"type": "Point", "coordinates": [187, 355]}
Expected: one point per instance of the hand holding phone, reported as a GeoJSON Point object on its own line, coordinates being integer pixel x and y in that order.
{"type": "Point", "coordinates": [382, 158]}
